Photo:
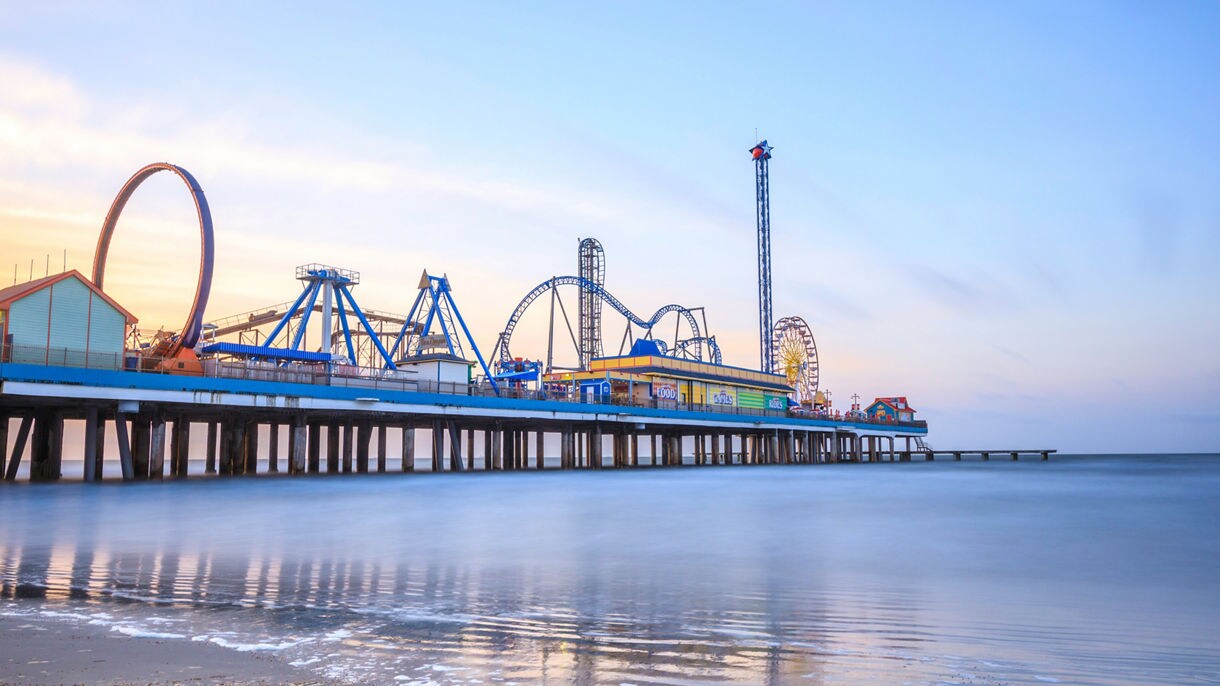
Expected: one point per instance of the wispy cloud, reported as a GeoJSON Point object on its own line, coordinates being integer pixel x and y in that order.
{"type": "Point", "coordinates": [973, 295]}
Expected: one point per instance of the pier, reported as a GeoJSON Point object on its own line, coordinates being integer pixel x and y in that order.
{"type": "Point", "coordinates": [367, 390]}
{"type": "Point", "coordinates": [324, 424]}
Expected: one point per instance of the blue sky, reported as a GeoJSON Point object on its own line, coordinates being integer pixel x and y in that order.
{"type": "Point", "coordinates": [1006, 212]}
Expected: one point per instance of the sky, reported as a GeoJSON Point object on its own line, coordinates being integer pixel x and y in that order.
{"type": "Point", "coordinates": [1006, 212]}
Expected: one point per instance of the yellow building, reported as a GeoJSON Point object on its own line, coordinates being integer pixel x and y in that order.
{"type": "Point", "coordinates": [639, 379]}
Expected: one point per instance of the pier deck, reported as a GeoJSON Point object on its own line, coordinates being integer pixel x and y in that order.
{"type": "Point", "coordinates": [361, 425]}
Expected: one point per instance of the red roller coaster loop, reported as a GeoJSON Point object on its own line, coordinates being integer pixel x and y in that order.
{"type": "Point", "coordinates": [191, 329]}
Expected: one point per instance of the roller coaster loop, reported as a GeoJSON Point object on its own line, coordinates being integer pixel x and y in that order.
{"type": "Point", "coordinates": [588, 286]}
{"type": "Point", "coordinates": [189, 334]}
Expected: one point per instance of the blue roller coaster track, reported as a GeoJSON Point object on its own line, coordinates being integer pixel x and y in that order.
{"type": "Point", "coordinates": [692, 346]}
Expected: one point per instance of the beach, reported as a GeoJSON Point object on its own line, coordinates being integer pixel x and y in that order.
{"type": "Point", "coordinates": [45, 651]}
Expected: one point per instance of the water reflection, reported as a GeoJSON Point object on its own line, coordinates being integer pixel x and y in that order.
{"type": "Point", "coordinates": [644, 578]}
{"type": "Point", "coordinates": [487, 623]}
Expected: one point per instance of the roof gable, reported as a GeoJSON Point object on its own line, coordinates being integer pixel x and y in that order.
{"type": "Point", "coordinates": [14, 293]}
{"type": "Point", "coordinates": [898, 402]}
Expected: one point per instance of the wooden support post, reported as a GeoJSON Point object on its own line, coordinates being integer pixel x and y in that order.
{"type": "Point", "coordinates": [523, 460]}
{"type": "Point", "coordinates": [381, 448]}
{"type": "Point", "coordinates": [99, 447]}
{"type": "Point", "coordinates": [209, 465]}
{"type": "Point", "coordinates": [539, 459]}
{"type": "Point", "coordinates": [455, 446]}
{"type": "Point", "coordinates": [986, 457]}
{"type": "Point", "coordinates": [42, 446]}
{"type": "Point", "coordinates": [273, 447]}
{"type": "Point", "coordinates": [141, 435]}
{"type": "Point", "coordinates": [470, 450]}
{"type": "Point", "coordinates": [653, 454]}
{"type": "Point", "coordinates": [487, 450]}
{"type": "Point", "coordinates": [595, 452]}
{"type": "Point", "coordinates": [227, 430]}
{"type": "Point", "coordinates": [349, 446]}
{"type": "Point", "coordinates": [156, 456]}
{"type": "Point", "coordinates": [892, 449]}
{"type": "Point", "coordinates": [1046, 455]}
{"type": "Point", "coordinates": [91, 431]}
{"type": "Point", "coordinates": [314, 448]}
{"type": "Point", "coordinates": [4, 421]}
{"type": "Point", "coordinates": [251, 451]}
{"type": "Point", "coordinates": [182, 439]}
{"type": "Point", "coordinates": [251, 447]}
{"type": "Point", "coordinates": [497, 455]}
{"type": "Point", "coordinates": [123, 438]}
{"type": "Point", "coordinates": [957, 456]}
{"type": "Point", "coordinates": [563, 447]}
{"type": "Point", "coordinates": [408, 449]}
{"type": "Point", "coordinates": [364, 436]}
{"type": "Point", "coordinates": [175, 447]}
{"type": "Point", "coordinates": [332, 448]}
{"type": "Point", "coordinates": [299, 447]}
{"type": "Point", "coordinates": [1014, 456]}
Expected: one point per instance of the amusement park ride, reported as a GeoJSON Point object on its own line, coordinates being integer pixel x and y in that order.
{"type": "Point", "coordinates": [787, 346]}
{"type": "Point", "coordinates": [353, 340]}
{"type": "Point", "coordinates": [694, 345]}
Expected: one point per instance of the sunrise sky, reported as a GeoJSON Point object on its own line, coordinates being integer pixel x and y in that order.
{"type": "Point", "coordinates": [1007, 212]}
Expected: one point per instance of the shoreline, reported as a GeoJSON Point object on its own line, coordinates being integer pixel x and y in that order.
{"type": "Point", "coordinates": [44, 651]}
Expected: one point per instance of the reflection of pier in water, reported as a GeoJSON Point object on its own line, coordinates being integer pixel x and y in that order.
{"type": "Point", "coordinates": [526, 623]}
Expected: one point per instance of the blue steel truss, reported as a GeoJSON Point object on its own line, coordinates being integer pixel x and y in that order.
{"type": "Point", "coordinates": [318, 278]}
{"type": "Point", "coordinates": [692, 345]}
{"type": "Point", "coordinates": [435, 306]}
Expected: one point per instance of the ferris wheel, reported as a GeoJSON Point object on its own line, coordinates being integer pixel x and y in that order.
{"type": "Point", "coordinates": [796, 356]}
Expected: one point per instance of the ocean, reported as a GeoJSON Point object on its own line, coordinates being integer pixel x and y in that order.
{"type": "Point", "coordinates": [1080, 570]}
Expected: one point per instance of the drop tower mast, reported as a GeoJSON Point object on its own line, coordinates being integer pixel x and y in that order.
{"type": "Point", "coordinates": [761, 153]}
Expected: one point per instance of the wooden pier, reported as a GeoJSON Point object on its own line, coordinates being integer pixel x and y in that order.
{"type": "Point", "coordinates": [985, 455]}
{"type": "Point", "coordinates": [152, 424]}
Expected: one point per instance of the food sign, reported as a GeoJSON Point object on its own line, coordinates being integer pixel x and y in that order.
{"type": "Point", "coordinates": [665, 390]}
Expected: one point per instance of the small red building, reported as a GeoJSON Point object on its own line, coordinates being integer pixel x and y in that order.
{"type": "Point", "coordinates": [894, 409]}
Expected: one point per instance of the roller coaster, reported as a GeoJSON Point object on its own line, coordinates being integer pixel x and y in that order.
{"type": "Point", "coordinates": [592, 294]}
{"type": "Point", "coordinates": [381, 340]}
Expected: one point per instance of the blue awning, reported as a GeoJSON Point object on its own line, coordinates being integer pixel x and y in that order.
{"type": "Point", "coordinates": [286, 354]}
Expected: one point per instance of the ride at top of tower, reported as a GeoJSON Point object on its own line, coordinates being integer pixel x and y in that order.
{"type": "Point", "coordinates": [761, 150]}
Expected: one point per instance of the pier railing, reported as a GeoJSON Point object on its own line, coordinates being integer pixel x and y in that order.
{"type": "Point", "coordinates": [371, 379]}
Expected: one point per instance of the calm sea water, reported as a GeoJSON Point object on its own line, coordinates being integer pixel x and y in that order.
{"type": "Point", "coordinates": [1079, 570]}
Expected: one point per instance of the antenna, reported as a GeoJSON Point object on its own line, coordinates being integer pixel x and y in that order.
{"type": "Point", "coordinates": [48, 270]}
{"type": "Point", "coordinates": [65, 259]}
{"type": "Point", "coordinates": [31, 269]}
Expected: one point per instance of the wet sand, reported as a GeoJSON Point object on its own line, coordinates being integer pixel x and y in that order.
{"type": "Point", "coordinates": [36, 651]}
